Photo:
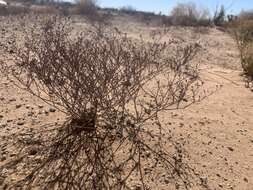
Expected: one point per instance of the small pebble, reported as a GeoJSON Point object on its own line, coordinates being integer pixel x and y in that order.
{"type": "Point", "coordinates": [18, 106]}
{"type": "Point", "coordinates": [52, 109]}
{"type": "Point", "coordinates": [20, 123]}
{"type": "Point", "coordinates": [33, 151]}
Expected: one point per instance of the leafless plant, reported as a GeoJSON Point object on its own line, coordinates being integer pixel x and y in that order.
{"type": "Point", "coordinates": [13, 10]}
{"type": "Point", "coordinates": [246, 15]}
{"type": "Point", "coordinates": [188, 14]}
{"type": "Point", "coordinates": [86, 6]}
{"type": "Point", "coordinates": [242, 31]}
{"type": "Point", "coordinates": [112, 89]}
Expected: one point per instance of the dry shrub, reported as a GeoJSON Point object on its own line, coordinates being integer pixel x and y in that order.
{"type": "Point", "coordinates": [44, 9]}
{"type": "Point", "coordinates": [246, 15]}
{"type": "Point", "coordinates": [86, 7]}
{"type": "Point", "coordinates": [188, 14]}
{"type": "Point", "coordinates": [13, 10]}
{"type": "Point", "coordinates": [90, 9]}
{"type": "Point", "coordinates": [243, 32]}
{"type": "Point", "coordinates": [112, 89]}
{"type": "Point", "coordinates": [128, 9]}
{"type": "Point", "coordinates": [219, 16]}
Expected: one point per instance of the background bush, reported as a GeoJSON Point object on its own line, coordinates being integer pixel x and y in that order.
{"type": "Point", "coordinates": [219, 16]}
{"type": "Point", "coordinates": [243, 32]}
{"type": "Point", "coordinates": [13, 10]}
{"type": "Point", "coordinates": [87, 7]}
{"type": "Point", "coordinates": [188, 14]}
{"type": "Point", "coordinates": [246, 15]}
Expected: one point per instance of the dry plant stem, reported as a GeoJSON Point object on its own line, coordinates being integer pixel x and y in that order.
{"type": "Point", "coordinates": [112, 88]}
{"type": "Point", "coordinates": [242, 32]}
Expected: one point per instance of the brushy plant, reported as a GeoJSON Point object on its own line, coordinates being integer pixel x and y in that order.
{"type": "Point", "coordinates": [246, 15]}
{"type": "Point", "coordinates": [86, 7]}
{"type": "Point", "coordinates": [112, 89]}
{"type": "Point", "coordinates": [13, 10]}
{"type": "Point", "coordinates": [243, 33]}
{"type": "Point", "coordinates": [219, 16]}
{"type": "Point", "coordinates": [188, 14]}
{"type": "Point", "coordinates": [90, 9]}
{"type": "Point", "coordinates": [128, 9]}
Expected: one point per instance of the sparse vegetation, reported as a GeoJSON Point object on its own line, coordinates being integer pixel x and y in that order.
{"type": "Point", "coordinates": [128, 9]}
{"type": "Point", "coordinates": [14, 10]}
{"type": "Point", "coordinates": [187, 14]}
{"type": "Point", "coordinates": [246, 15]}
{"type": "Point", "coordinates": [100, 98]}
{"type": "Point", "coordinates": [86, 7]}
{"type": "Point", "coordinates": [219, 16]}
{"type": "Point", "coordinates": [112, 89]}
{"type": "Point", "coordinates": [243, 32]}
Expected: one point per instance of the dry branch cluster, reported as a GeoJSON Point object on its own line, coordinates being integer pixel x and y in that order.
{"type": "Point", "coordinates": [112, 89]}
{"type": "Point", "coordinates": [243, 33]}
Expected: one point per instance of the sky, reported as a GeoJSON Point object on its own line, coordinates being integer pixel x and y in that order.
{"type": "Point", "coordinates": [164, 6]}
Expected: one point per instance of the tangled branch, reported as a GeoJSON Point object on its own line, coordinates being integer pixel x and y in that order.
{"type": "Point", "coordinates": [112, 89]}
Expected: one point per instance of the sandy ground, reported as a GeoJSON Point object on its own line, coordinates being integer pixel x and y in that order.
{"type": "Point", "coordinates": [218, 130]}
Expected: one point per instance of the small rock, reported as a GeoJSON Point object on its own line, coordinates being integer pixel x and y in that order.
{"type": "Point", "coordinates": [5, 171]}
{"type": "Point", "coordinates": [166, 181]}
{"type": "Point", "coordinates": [12, 100]}
{"type": "Point", "coordinates": [3, 158]}
{"type": "Point", "coordinates": [40, 106]}
{"type": "Point", "coordinates": [3, 125]}
{"type": "Point", "coordinates": [220, 185]}
{"type": "Point", "coordinates": [231, 149]}
{"type": "Point", "coordinates": [204, 180]}
{"type": "Point", "coordinates": [137, 187]}
{"type": "Point", "coordinates": [30, 114]}
{"type": "Point", "coordinates": [20, 123]}
{"type": "Point", "coordinates": [12, 154]}
{"type": "Point", "coordinates": [33, 152]}
{"type": "Point", "coordinates": [246, 180]}
{"type": "Point", "coordinates": [18, 106]}
{"type": "Point", "coordinates": [181, 124]}
{"type": "Point", "coordinates": [1, 116]}
{"type": "Point", "coordinates": [52, 109]}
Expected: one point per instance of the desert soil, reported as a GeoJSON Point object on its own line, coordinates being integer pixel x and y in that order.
{"type": "Point", "coordinates": [218, 130]}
